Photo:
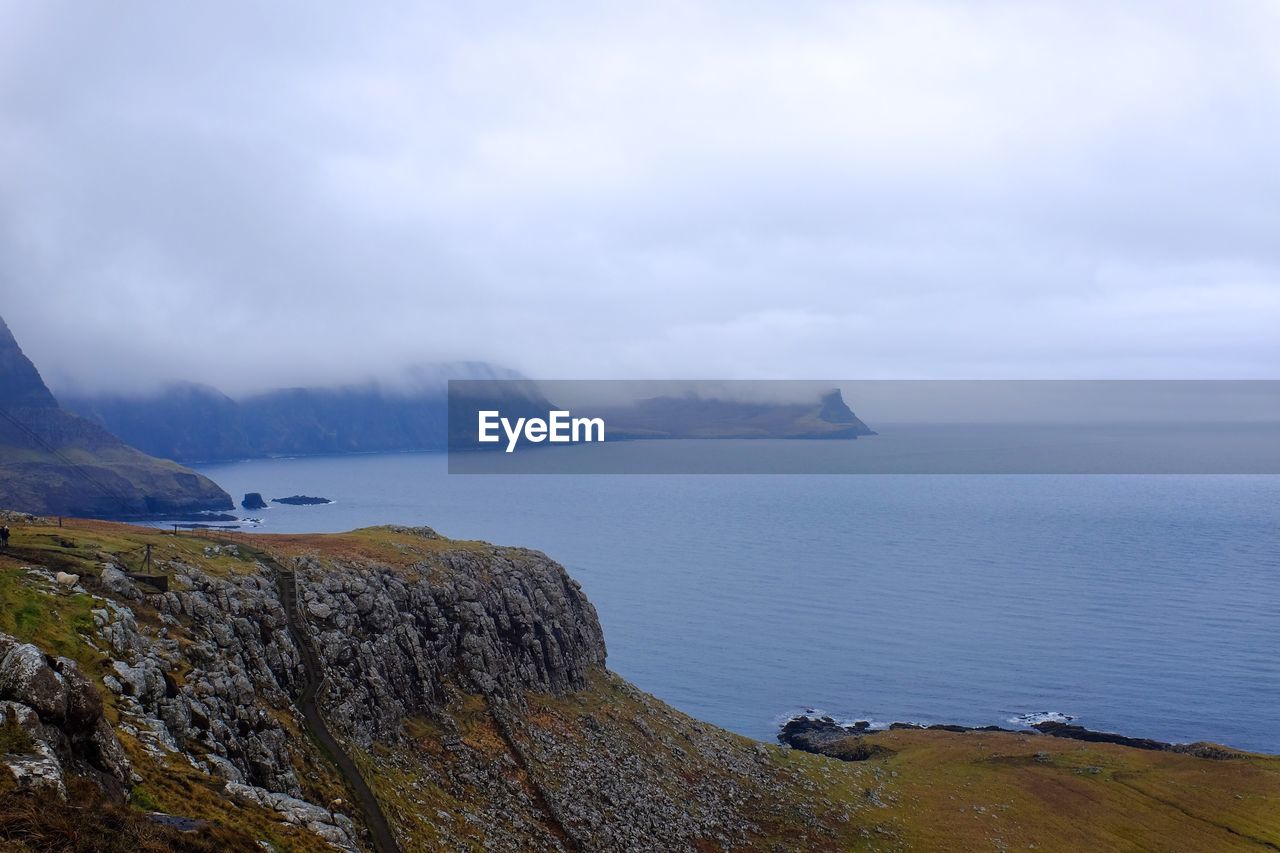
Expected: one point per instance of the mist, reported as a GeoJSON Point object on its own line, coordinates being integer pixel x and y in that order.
{"type": "Point", "coordinates": [252, 196]}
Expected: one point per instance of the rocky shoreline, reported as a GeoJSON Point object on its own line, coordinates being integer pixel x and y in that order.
{"type": "Point", "coordinates": [824, 736]}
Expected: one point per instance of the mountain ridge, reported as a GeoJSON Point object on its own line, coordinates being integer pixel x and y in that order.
{"type": "Point", "coordinates": [189, 422]}
{"type": "Point", "coordinates": [55, 462]}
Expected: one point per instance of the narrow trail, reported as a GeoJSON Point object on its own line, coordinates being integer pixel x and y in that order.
{"type": "Point", "coordinates": [308, 701]}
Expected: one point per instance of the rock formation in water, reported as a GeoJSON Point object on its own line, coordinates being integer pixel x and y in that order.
{"type": "Point", "coordinates": [52, 461]}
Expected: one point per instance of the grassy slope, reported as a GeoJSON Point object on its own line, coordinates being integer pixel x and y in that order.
{"type": "Point", "coordinates": [977, 790]}
{"type": "Point", "coordinates": [935, 790]}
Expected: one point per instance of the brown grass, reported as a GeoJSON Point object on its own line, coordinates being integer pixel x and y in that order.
{"type": "Point", "coordinates": [88, 823]}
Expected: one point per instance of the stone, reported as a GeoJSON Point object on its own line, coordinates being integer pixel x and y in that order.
{"type": "Point", "coordinates": [39, 772]}
{"type": "Point", "coordinates": [337, 830]}
{"type": "Point", "coordinates": [26, 676]}
{"type": "Point", "coordinates": [84, 703]}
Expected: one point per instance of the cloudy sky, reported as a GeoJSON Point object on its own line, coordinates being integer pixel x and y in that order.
{"type": "Point", "coordinates": [257, 194]}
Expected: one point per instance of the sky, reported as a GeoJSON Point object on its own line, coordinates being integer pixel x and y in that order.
{"type": "Point", "coordinates": [253, 195]}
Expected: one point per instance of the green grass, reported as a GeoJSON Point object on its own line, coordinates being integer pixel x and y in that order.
{"type": "Point", "coordinates": [14, 739]}
{"type": "Point", "coordinates": [140, 798]}
{"type": "Point", "coordinates": [52, 620]}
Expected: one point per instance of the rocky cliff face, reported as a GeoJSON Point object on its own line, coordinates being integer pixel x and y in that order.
{"type": "Point", "coordinates": [52, 461]}
{"type": "Point", "coordinates": [494, 621]}
{"type": "Point", "coordinates": [464, 683]}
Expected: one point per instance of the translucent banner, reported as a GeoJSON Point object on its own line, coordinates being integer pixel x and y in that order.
{"type": "Point", "coordinates": [864, 427]}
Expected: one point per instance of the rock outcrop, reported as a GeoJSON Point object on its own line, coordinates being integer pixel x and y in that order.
{"type": "Point", "coordinates": [208, 671]}
{"type": "Point", "coordinates": [301, 500]}
{"type": "Point", "coordinates": [58, 715]}
{"type": "Point", "coordinates": [499, 623]}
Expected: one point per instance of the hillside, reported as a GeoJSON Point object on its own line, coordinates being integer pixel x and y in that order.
{"type": "Point", "coordinates": [188, 422]}
{"type": "Point", "coordinates": [464, 685]}
{"type": "Point", "coordinates": [54, 462]}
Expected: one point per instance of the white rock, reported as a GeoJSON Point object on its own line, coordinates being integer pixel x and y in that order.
{"type": "Point", "coordinates": [37, 772]}
{"type": "Point", "coordinates": [320, 610]}
{"type": "Point", "coordinates": [336, 829]}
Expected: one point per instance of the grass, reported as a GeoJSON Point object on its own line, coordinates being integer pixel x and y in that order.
{"type": "Point", "coordinates": [976, 790]}
{"type": "Point", "coordinates": [52, 620]}
{"type": "Point", "coordinates": [140, 798]}
{"type": "Point", "coordinates": [14, 739]}
{"type": "Point", "coordinates": [89, 823]}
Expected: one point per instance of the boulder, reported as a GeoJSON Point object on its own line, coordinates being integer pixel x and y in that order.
{"type": "Point", "coordinates": [84, 703]}
{"type": "Point", "coordinates": [27, 676]}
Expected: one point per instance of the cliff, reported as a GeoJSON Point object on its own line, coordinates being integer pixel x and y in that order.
{"type": "Point", "coordinates": [391, 688]}
{"type": "Point", "coordinates": [52, 461]}
{"type": "Point", "coordinates": [828, 417]}
{"type": "Point", "coordinates": [465, 682]}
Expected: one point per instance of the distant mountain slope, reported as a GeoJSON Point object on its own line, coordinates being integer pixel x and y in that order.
{"type": "Point", "coordinates": [197, 423]}
{"type": "Point", "coordinates": [191, 423]}
{"type": "Point", "coordinates": [185, 422]}
{"type": "Point", "coordinates": [703, 417]}
{"type": "Point", "coordinates": [54, 462]}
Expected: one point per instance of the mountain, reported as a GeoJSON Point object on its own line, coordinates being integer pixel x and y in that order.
{"type": "Point", "coordinates": [706, 417]}
{"type": "Point", "coordinates": [190, 422]}
{"type": "Point", "coordinates": [196, 423]}
{"type": "Point", "coordinates": [52, 461]}
{"type": "Point", "coordinates": [390, 689]}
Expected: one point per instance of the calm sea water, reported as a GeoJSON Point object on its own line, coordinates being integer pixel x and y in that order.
{"type": "Point", "coordinates": [1148, 605]}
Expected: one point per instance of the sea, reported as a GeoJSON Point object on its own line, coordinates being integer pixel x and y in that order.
{"type": "Point", "coordinates": [1147, 605]}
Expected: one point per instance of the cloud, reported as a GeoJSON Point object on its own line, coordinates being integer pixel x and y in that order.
{"type": "Point", "coordinates": [250, 195]}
